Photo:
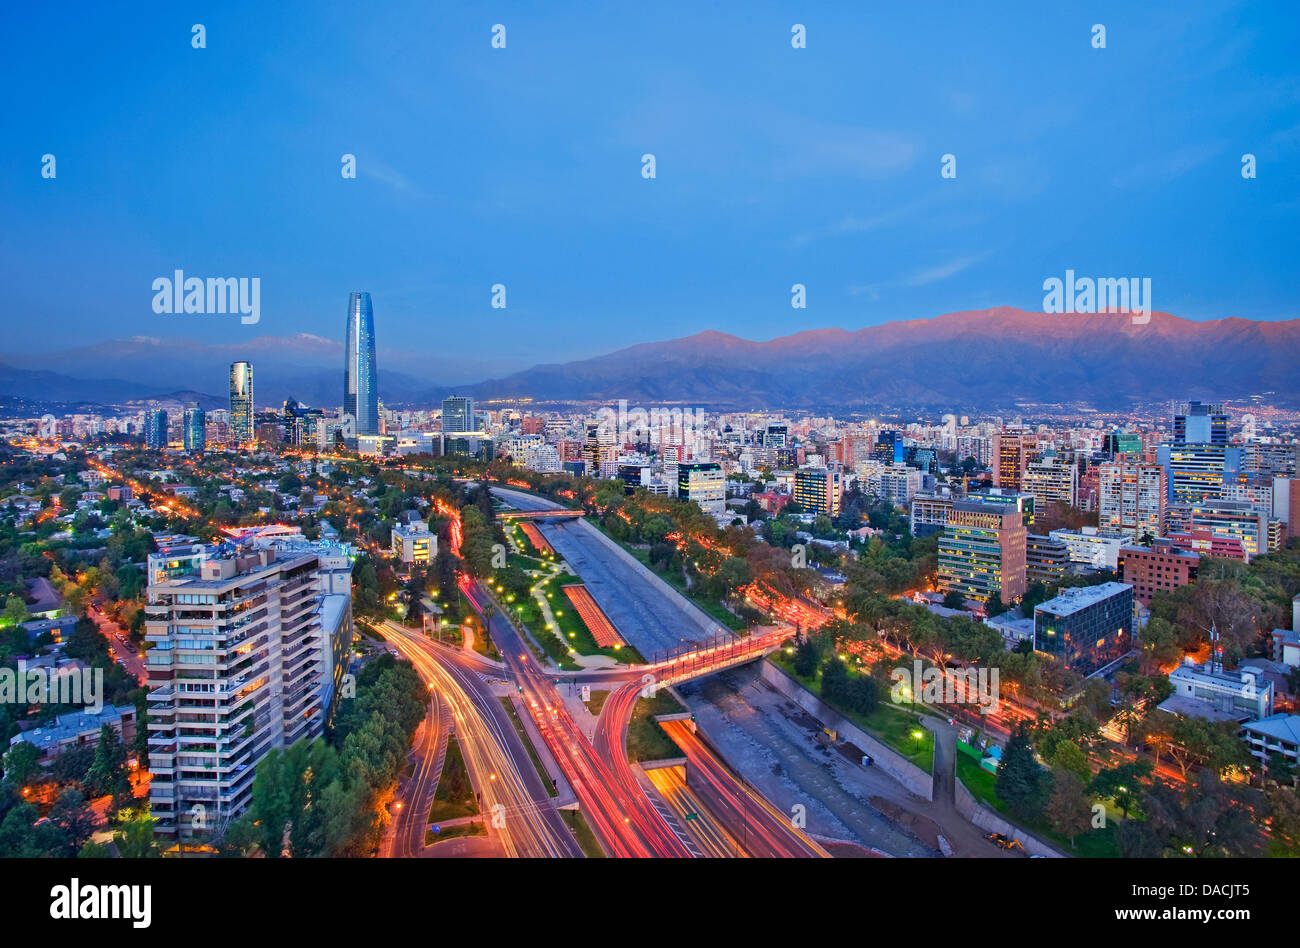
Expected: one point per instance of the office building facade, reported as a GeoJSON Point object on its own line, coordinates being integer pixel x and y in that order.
{"type": "Point", "coordinates": [982, 551]}
{"type": "Point", "coordinates": [360, 370]}
{"type": "Point", "coordinates": [1086, 628]}
{"type": "Point", "coordinates": [458, 415]}
{"type": "Point", "coordinates": [194, 427]}
{"type": "Point", "coordinates": [241, 402]}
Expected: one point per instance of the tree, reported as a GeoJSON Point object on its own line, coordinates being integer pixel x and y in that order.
{"type": "Point", "coordinates": [1020, 778]}
{"type": "Point", "coordinates": [1123, 783]}
{"type": "Point", "coordinates": [805, 657]}
{"type": "Point", "coordinates": [134, 837]}
{"type": "Point", "coordinates": [1067, 808]}
{"type": "Point", "coordinates": [107, 773]}
{"type": "Point", "coordinates": [21, 763]}
{"type": "Point", "coordinates": [15, 612]}
{"type": "Point", "coordinates": [1070, 759]}
{"type": "Point", "coordinates": [994, 606]}
{"type": "Point", "coordinates": [953, 599]}
{"type": "Point", "coordinates": [74, 817]}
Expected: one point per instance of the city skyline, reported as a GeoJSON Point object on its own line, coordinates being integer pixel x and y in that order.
{"type": "Point", "coordinates": [862, 217]}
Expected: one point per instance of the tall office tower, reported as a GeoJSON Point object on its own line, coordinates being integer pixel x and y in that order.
{"type": "Point", "coordinates": [591, 450]}
{"type": "Point", "coordinates": [819, 490]}
{"type": "Point", "coordinates": [704, 483]}
{"type": "Point", "coordinates": [360, 382]}
{"type": "Point", "coordinates": [241, 402]}
{"type": "Point", "coordinates": [1011, 454]}
{"type": "Point", "coordinates": [458, 415]}
{"type": "Point", "coordinates": [235, 670]}
{"type": "Point", "coordinates": [193, 423]}
{"type": "Point", "coordinates": [155, 429]}
{"type": "Point", "coordinates": [1199, 423]}
{"type": "Point", "coordinates": [983, 551]}
{"type": "Point", "coordinates": [1199, 460]}
{"type": "Point", "coordinates": [1131, 499]}
{"type": "Point", "coordinates": [889, 447]}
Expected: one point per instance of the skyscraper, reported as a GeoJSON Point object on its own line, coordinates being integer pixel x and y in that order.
{"type": "Point", "coordinates": [360, 385]}
{"type": "Point", "coordinates": [193, 423]}
{"type": "Point", "coordinates": [1199, 460]}
{"type": "Point", "coordinates": [458, 415]}
{"type": "Point", "coordinates": [241, 402]}
{"type": "Point", "coordinates": [155, 429]}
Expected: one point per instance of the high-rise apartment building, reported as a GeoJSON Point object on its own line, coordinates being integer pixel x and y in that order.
{"type": "Point", "coordinates": [241, 402]}
{"type": "Point", "coordinates": [235, 669]}
{"type": "Point", "coordinates": [360, 372]}
{"type": "Point", "coordinates": [982, 551]}
{"type": "Point", "coordinates": [194, 426]}
{"type": "Point", "coordinates": [458, 415]}
{"type": "Point", "coordinates": [1011, 455]}
{"type": "Point", "coordinates": [1131, 499]}
{"type": "Point", "coordinates": [1051, 479]}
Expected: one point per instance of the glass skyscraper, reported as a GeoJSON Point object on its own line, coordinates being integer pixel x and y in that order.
{"type": "Point", "coordinates": [241, 402]}
{"type": "Point", "coordinates": [458, 415]}
{"type": "Point", "coordinates": [360, 385]}
{"type": "Point", "coordinates": [155, 429]}
{"type": "Point", "coordinates": [192, 424]}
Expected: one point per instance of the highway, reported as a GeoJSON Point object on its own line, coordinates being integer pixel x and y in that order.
{"type": "Point", "coordinates": [760, 828]}
{"type": "Point", "coordinates": [649, 614]}
{"type": "Point", "coordinates": [411, 820]}
{"type": "Point", "coordinates": [515, 804]}
{"type": "Point", "coordinates": [704, 826]}
{"type": "Point", "coordinates": [624, 822]}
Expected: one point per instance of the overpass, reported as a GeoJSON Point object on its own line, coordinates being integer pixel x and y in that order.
{"type": "Point", "coordinates": [561, 514]}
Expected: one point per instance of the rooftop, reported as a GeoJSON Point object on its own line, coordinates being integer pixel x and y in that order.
{"type": "Point", "coordinates": [1072, 600]}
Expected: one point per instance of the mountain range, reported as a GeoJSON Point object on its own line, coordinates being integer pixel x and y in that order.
{"type": "Point", "coordinates": [977, 359]}
{"type": "Point", "coordinates": [974, 359]}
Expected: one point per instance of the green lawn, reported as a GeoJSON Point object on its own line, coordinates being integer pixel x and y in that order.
{"type": "Point", "coordinates": [646, 740]}
{"type": "Point", "coordinates": [1093, 844]}
{"type": "Point", "coordinates": [597, 701]}
{"type": "Point", "coordinates": [453, 832]}
{"type": "Point", "coordinates": [455, 796]}
{"type": "Point", "coordinates": [893, 725]}
{"type": "Point", "coordinates": [582, 832]}
{"type": "Point", "coordinates": [574, 631]}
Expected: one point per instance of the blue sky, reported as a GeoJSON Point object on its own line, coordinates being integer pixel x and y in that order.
{"type": "Point", "coordinates": [522, 166]}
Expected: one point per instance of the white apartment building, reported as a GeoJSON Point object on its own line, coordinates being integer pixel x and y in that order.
{"type": "Point", "coordinates": [413, 541]}
{"type": "Point", "coordinates": [1131, 499]}
{"type": "Point", "coordinates": [1092, 547]}
{"type": "Point", "coordinates": [234, 669]}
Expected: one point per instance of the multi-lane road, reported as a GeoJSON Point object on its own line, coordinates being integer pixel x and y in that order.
{"type": "Point", "coordinates": [517, 807]}
{"type": "Point", "coordinates": [624, 822]}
